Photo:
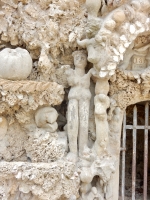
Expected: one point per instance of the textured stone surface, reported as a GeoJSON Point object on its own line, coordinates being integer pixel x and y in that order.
{"type": "Point", "coordinates": [42, 181]}
{"type": "Point", "coordinates": [60, 127]}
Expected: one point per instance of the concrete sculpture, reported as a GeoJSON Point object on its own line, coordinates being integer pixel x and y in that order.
{"type": "Point", "coordinates": [68, 70]}
{"type": "Point", "coordinates": [78, 106]}
{"type": "Point", "coordinates": [16, 64]}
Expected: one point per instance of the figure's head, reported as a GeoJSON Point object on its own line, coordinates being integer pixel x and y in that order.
{"type": "Point", "coordinates": [80, 59]}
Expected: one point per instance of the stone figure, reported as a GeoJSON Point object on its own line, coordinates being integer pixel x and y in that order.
{"type": "Point", "coordinates": [96, 56]}
{"type": "Point", "coordinates": [33, 150]}
{"type": "Point", "coordinates": [101, 102]}
{"type": "Point", "coordinates": [43, 132]}
{"type": "Point", "coordinates": [78, 106]}
{"type": "Point", "coordinates": [46, 118]}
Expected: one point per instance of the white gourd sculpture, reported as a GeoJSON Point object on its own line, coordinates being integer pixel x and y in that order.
{"type": "Point", "coordinates": [15, 64]}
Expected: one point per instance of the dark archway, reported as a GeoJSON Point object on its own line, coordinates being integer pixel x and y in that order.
{"type": "Point", "coordinates": [134, 167]}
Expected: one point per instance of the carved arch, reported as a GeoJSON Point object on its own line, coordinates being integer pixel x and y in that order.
{"type": "Point", "coordinates": [117, 31]}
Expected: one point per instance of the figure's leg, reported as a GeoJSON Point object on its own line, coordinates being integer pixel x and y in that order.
{"type": "Point", "coordinates": [84, 189]}
{"type": "Point", "coordinates": [83, 125]}
{"type": "Point", "coordinates": [101, 102]}
{"type": "Point", "coordinates": [101, 142]}
{"type": "Point", "coordinates": [72, 128]}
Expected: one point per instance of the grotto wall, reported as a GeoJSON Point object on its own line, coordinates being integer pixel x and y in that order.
{"type": "Point", "coordinates": [68, 70]}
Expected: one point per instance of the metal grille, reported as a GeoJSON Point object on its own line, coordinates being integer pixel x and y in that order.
{"type": "Point", "coordinates": [134, 129]}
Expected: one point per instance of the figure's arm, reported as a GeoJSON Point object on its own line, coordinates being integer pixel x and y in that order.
{"type": "Point", "coordinates": [71, 76]}
{"type": "Point", "coordinates": [68, 70]}
{"type": "Point", "coordinates": [92, 72]}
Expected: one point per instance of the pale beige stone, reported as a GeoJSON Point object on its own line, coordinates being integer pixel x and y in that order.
{"type": "Point", "coordinates": [60, 127]}
{"type": "Point", "coordinates": [78, 107]}
{"type": "Point", "coordinates": [16, 64]}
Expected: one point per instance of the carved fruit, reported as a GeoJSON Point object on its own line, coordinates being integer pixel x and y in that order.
{"type": "Point", "coordinates": [110, 24]}
{"type": "Point", "coordinates": [119, 16]}
{"type": "Point", "coordinates": [15, 64]}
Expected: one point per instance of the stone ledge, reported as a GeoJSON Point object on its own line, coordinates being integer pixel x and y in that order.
{"type": "Point", "coordinates": [29, 94]}
{"type": "Point", "coordinates": [45, 181]}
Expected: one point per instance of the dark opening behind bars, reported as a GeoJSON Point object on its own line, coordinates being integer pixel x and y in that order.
{"type": "Point", "coordinates": [134, 129]}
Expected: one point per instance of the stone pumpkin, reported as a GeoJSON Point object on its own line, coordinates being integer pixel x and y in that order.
{"type": "Point", "coordinates": [15, 64]}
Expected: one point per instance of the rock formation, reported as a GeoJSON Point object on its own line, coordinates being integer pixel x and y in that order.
{"type": "Point", "coordinates": [68, 70]}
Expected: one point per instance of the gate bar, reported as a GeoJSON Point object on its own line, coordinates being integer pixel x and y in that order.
{"type": "Point", "coordinates": [137, 127]}
{"type": "Point", "coordinates": [134, 127]}
{"type": "Point", "coordinates": [146, 150]}
{"type": "Point", "coordinates": [123, 157]}
{"type": "Point", "coordinates": [134, 152]}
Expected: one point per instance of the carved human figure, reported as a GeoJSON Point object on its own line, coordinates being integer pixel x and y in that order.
{"type": "Point", "coordinates": [101, 102]}
{"type": "Point", "coordinates": [78, 106]}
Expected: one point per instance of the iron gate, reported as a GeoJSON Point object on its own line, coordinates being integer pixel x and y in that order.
{"type": "Point", "coordinates": [134, 129]}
